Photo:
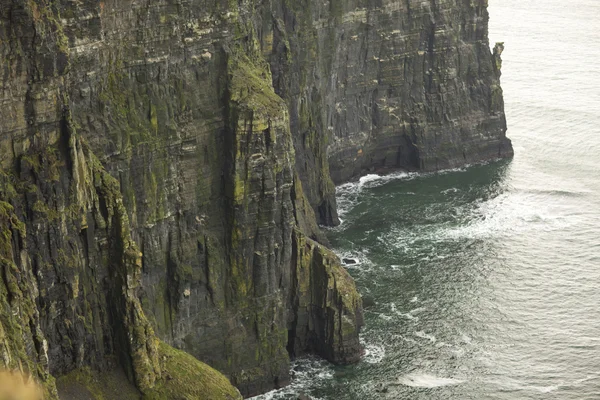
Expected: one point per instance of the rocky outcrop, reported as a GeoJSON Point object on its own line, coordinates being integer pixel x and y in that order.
{"type": "Point", "coordinates": [164, 166]}
{"type": "Point", "coordinates": [376, 85]}
{"type": "Point", "coordinates": [327, 312]}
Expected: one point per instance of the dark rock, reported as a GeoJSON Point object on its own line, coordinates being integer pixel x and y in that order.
{"type": "Point", "coordinates": [349, 261]}
{"type": "Point", "coordinates": [330, 330]}
{"type": "Point", "coordinates": [164, 168]}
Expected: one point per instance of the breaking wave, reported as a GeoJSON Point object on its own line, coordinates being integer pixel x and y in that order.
{"type": "Point", "coordinates": [307, 373]}
{"type": "Point", "coordinates": [422, 380]}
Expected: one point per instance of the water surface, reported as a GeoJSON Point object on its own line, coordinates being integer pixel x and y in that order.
{"type": "Point", "coordinates": [486, 280]}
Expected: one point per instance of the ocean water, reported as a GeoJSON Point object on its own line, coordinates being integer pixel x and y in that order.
{"type": "Point", "coordinates": [486, 280]}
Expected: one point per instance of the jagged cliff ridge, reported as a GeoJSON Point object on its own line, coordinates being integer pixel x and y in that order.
{"type": "Point", "coordinates": [164, 165]}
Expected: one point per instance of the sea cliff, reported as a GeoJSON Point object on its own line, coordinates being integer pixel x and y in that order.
{"type": "Point", "coordinates": [165, 166]}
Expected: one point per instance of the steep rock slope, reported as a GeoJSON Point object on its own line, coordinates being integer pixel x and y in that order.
{"type": "Point", "coordinates": [385, 84]}
{"type": "Point", "coordinates": [164, 165]}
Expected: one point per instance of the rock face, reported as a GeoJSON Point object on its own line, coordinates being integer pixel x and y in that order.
{"type": "Point", "coordinates": [385, 84]}
{"type": "Point", "coordinates": [164, 166]}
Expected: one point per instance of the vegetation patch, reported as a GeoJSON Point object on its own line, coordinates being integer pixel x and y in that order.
{"type": "Point", "coordinates": [186, 378]}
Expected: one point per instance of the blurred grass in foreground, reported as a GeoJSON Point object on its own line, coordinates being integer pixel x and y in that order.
{"type": "Point", "coordinates": [16, 386]}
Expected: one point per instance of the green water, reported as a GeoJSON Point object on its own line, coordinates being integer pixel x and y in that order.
{"type": "Point", "coordinates": [482, 289]}
{"type": "Point", "coordinates": [486, 280]}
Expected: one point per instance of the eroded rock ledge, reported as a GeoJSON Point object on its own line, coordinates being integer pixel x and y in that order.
{"type": "Point", "coordinates": [164, 166]}
{"type": "Point", "coordinates": [327, 310]}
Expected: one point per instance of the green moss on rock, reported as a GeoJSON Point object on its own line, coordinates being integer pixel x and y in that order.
{"type": "Point", "coordinates": [18, 312]}
{"type": "Point", "coordinates": [87, 384]}
{"type": "Point", "coordinates": [186, 378]}
{"type": "Point", "coordinates": [328, 303]}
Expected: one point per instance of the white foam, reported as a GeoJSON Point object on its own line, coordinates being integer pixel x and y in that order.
{"type": "Point", "coordinates": [373, 180]}
{"type": "Point", "coordinates": [583, 380]}
{"type": "Point", "coordinates": [509, 213]}
{"type": "Point", "coordinates": [427, 381]}
{"type": "Point", "coordinates": [505, 215]}
{"type": "Point", "coordinates": [466, 339]}
{"type": "Point", "coordinates": [546, 389]}
{"type": "Point", "coordinates": [522, 386]}
{"type": "Point", "coordinates": [423, 335]}
{"type": "Point", "coordinates": [348, 193]}
{"type": "Point", "coordinates": [409, 340]}
{"type": "Point", "coordinates": [307, 373]}
{"type": "Point", "coordinates": [386, 317]}
{"type": "Point", "coordinates": [451, 190]}
{"type": "Point", "coordinates": [409, 315]}
{"type": "Point", "coordinates": [374, 354]}
{"type": "Point", "coordinates": [417, 310]}
{"type": "Point", "coordinates": [368, 178]}
{"type": "Point", "coordinates": [360, 258]}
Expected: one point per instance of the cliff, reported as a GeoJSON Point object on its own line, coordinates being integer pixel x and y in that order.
{"type": "Point", "coordinates": [164, 166]}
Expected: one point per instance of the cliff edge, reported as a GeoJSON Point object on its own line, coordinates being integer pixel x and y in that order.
{"type": "Point", "coordinates": [164, 167]}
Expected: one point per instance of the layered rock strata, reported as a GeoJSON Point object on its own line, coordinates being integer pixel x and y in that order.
{"type": "Point", "coordinates": [164, 166]}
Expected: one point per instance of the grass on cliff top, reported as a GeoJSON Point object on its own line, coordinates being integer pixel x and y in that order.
{"type": "Point", "coordinates": [86, 384]}
{"type": "Point", "coordinates": [186, 378]}
{"type": "Point", "coordinates": [251, 86]}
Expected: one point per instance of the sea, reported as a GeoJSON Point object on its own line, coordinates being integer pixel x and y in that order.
{"type": "Point", "coordinates": [484, 282]}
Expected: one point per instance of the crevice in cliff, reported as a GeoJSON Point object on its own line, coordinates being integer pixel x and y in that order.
{"type": "Point", "coordinates": [203, 249]}
{"type": "Point", "coordinates": [172, 288]}
{"type": "Point", "coordinates": [215, 170]}
{"type": "Point", "coordinates": [293, 303]}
